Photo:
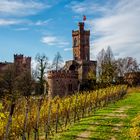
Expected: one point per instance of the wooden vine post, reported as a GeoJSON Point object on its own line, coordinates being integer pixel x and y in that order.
{"type": "Point", "coordinates": [48, 120]}
{"type": "Point", "coordinates": [57, 117]}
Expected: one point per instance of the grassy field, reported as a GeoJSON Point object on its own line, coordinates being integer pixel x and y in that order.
{"type": "Point", "coordinates": [110, 123]}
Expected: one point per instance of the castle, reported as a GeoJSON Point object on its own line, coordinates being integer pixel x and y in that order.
{"type": "Point", "coordinates": [20, 64]}
{"type": "Point", "coordinates": [75, 72]}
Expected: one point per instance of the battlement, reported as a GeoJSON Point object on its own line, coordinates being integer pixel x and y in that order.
{"type": "Point", "coordinates": [27, 59]}
{"type": "Point", "coordinates": [75, 32]}
{"type": "Point", "coordinates": [62, 74]}
{"type": "Point", "coordinates": [20, 56]}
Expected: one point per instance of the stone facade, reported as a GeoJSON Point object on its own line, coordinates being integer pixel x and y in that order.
{"type": "Point", "coordinates": [4, 66]}
{"type": "Point", "coordinates": [81, 44]}
{"type": "Point", "coordinates": [75, 72]}
{"type": "Point", "coordinates": [62, 82]}
{"type": "Point", "coordinates": [21, 64]}
{"type": "Point", "coordinates": [83, 68]}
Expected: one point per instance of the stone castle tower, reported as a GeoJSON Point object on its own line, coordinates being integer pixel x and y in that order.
{"type": "Point", "coordinates": [75, 72]}
{"type": "Point", "coordinates": [21, 64]}
{"type": "Point", "coordinates": [81, 43]}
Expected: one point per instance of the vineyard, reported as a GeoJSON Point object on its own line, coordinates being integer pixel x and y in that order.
{"type": "Point", "coordinates": [37, 117]}
{"type": "Point", "coordinates": [135, 130]}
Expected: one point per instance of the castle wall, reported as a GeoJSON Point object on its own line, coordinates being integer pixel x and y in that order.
{"type": "Point", "coordinates": [21, 64]}
{"type": "Point", "coordinates": [62, 83]}
{"type": "Point", "coordinates": [4, 66]}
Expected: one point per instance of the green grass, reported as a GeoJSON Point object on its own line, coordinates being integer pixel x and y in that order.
{"type": "Point", "coordinates": [104, 125]}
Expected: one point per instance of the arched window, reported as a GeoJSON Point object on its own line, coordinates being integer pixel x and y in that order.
{"type": "Point", "coordinates": [75, 42]}
{"type": "Point", "coordinates": [72, 67]}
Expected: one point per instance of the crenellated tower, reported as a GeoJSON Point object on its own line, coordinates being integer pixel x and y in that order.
{"type": "Point", "coordinates": [81, 45]}
{"type": "Point", "coordinates": [22, 64]}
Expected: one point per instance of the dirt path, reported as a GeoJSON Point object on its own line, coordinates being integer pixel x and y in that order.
{"type": "Point", "coordinates": [84, 135]}
{"type": "Point", "coordinates": [109, 123]}
{"type": "Point", "coordinates": [118, 113]}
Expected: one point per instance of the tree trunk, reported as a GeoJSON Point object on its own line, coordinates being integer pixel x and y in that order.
{"type": "Point", "coordinates": [25, 120]}
{"type": "Point", "coordinates": [56, 126]}
{"type": "Point", "coordinates": [9, 120]}
{"type": "Point", "coordinates": [37, 121]}
{"type": "Point", "coordinates": [48, 121]}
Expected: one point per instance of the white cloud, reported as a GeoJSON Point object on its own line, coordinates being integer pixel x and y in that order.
{"type": "Point", "coordinates": [117, 26]}
{"type": "Point", "coordinates": [5, 22]}
{"type": "Point", "coordinates": [21, 7]}
{"type": "Point", "coordinates": [86, 7]}
{"type": "Point", "coordinates": [21, 29]}
{"type": "Point", "coordinates": [42, 22]}
{"type": "Point", "coordinates": [67, 49]}
{"type": "Point", "coordinates": [13, 12]}
{"type": "Point", "coordinates": [49, 40]}
{"type": "Point", "coordinates": [9, 21]}
{"type": "Point", "coordinates": [119, 30]}
{"type": "Point", "coordinates": [54, 41]}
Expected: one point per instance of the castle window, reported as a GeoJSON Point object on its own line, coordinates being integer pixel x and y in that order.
{"type": "Point", "coordinates": [76, 58]}
{"type": "Point", "coordinates": [72, 68]}
{"type": "Point", "coordinates": [75, 42]}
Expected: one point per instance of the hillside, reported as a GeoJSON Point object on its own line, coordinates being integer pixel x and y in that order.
{"type": "Point", "coordinates": [112, 122]}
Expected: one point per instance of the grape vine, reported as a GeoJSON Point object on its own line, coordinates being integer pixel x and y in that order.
{"type": "Point", "coordinates": [40, 117]}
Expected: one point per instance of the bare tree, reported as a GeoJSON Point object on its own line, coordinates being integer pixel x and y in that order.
{"type": "Point", "coordinates": [41, 69]}
{"type": "Point", "coordinates": [106, 66]}
{"type": "Point", "coordinates": [127, 64]}
{"type": "Point", "coordinates": [110, 70]}
{"type": "Point", "coordinates": [100, 62]}
{"type": "Point", "coordinates": [42, 65]}
{"type": "Point", "coordinates": [57, 62]}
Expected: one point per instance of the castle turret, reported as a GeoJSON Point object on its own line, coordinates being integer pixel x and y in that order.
{"type": "Point", "coordinates": [81, 45]}
{"type": "Point", "coordinates": [22, 64]}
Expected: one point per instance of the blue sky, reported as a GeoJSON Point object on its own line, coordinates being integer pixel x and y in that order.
{"type": "Point", "coordinates": [44, 26]}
